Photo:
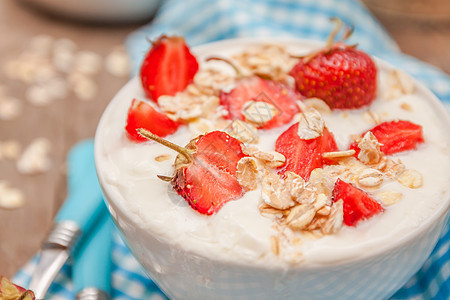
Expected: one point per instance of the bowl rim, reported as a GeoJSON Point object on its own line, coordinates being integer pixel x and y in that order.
{"type": "Point", "coordinates": [432, 99]}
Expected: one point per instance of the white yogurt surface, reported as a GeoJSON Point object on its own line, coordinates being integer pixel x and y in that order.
{"type": "Point", "coordinates": [238, 232]}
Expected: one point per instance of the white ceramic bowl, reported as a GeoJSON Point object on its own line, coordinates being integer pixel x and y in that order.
{"type": "Point", "coordinates": [100, 10]}
{"type": "Point", "coordinates": [186, 274]}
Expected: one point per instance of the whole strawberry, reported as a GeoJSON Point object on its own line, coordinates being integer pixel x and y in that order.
{"type": "Point", "coordinates": [341, 75]}
{"type": "Point", "coordinates": [168, 67]}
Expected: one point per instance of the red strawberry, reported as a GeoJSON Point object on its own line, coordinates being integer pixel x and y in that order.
{"type": "Point", "coordinates": [303, 156]}
{"type": "Point", "coordinates": [220, 149]}
{"type": "Point", "coordinates": [144, 115]}
{"type": "Point", "coordinates": [280, 96]}
{"type": "Point", "coordinates": [205, 170]}
{"type": "Point", "coordinates": [342, 76]}
{"type": "Point", "coordinates": [395, 136]}
{"type": "Point", "coordinates": [358, 205]}
{"type": "Point", "coordinates": [168, 67]}
{"type": "Point", "coordinates": [9, 290]}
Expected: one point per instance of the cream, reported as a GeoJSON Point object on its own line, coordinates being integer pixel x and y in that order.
{"type": "Point", "coordinates": [238, 232]}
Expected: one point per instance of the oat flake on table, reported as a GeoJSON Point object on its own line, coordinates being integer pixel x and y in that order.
{"type": "Point", "coordinates": [10, 198]}
{"type": "Point", "coordinates": [35, 158]}
{"type": "Point", "coordinates": [10, 108]}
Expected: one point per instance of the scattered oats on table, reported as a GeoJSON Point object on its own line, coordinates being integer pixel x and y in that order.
{"type": "Point", "coordinates": [85, 89]}
{"type": "Point", "coordinates": [49, 69]}
{"type": "Point", "coordinates": [35, 158]}
{"type": "Point", "coordinates": [10, 198]}
{"type": "Point", "coordinates": [41, 44]}
{"type": "Point", "coordinates": [3, 90]}
{"type": "Point", "coordinates": [10, 108]}
{"type": "Point", "coordinates": [117, 62]}
{"type": "Point", "coordinates": [87, 62]}
{"type": "Point", "coordinates": [57, 87]}
{"type": "Point", "coordinates": [38, 95]}
{"type": "Point", "coordinates": [10, 149]}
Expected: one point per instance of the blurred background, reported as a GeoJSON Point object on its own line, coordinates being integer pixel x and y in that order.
{"type": "Point", "coordinates": [421, 28]}
{"type": "Point", "coordinates": [60, 64]}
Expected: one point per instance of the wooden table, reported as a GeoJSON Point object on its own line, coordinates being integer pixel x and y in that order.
{"type": "Point", "coordinates": [63, 122]}
{"type": "Point", "coordinates": [66, 122]}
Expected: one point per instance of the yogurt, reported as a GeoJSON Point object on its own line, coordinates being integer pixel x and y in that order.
{"type": "Point", "coordinates": [238, 232]}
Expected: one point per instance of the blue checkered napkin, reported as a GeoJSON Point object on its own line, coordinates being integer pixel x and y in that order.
{"type": "Point", "coordinates": [433, 279]}
{"type": "Point", "coordinates": [128, 278]}
{"type": "Point", "coordinates": [202, 21]}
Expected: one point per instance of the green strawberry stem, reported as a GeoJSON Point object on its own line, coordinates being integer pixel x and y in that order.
{"type": "Point", "coordinates": [183, 151]}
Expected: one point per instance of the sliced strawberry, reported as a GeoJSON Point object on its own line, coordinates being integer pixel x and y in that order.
{"type": "Point", "coordinates": [395, 136]}
{"type": "Point", "coordinates": [168, 67]}
{"type": "Point", "coordinates": [221, 150]}
{"type": "Point", "coordinates": [209, 180]}
{"type": "Point", "coordinates": [280, 96]}
{"type": "Point", "coordinates": [144, 115]}
{"type": "Point", "coordinates": [303, 156]}
{"type": "Point", "coordinates": [358, 205]}
{"type": "Point", "coordinates": [205, 170]}
{"type": "Point", "coordinates": [207, 188]}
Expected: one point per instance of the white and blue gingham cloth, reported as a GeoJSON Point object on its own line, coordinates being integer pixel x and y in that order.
{"type": "Point", "coordinates": [201, 21]}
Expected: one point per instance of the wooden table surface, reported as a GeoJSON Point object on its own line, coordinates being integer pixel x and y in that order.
{"type": "Point", "coordinates": [70, 120]}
